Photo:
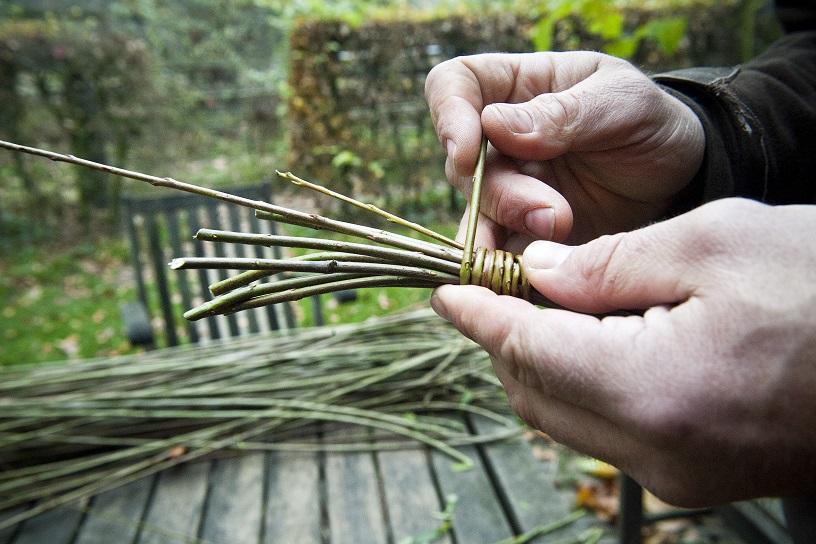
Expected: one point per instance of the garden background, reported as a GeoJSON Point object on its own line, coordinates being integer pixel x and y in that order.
{"type": "Point", "coordinates": [219, 93]}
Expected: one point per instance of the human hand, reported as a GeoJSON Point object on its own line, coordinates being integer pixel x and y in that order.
{"type": "Point", "coordinates": [584, 144]}
{"type": "Point", "coordinates": [708, 396]}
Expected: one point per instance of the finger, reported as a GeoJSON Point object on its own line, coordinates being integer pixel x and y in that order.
{"type": "Point", "coordinates": [522, 203]}
{"type": "Point", "coordinates": [512, 329]}
{"type": "Point", "coordinates": [596, 105]}
{"type": "Point", "coordinates": [457, 91]}
{"type": "Point", "coordinates": [554, 355]}
{"type": "Point", "coordinates": [489, 234]}
{"type": "Point", "coordinates": [662, 264]}
{"type": "Point", "coordinates": [519, 202]}
{"type": "Point", "coordinates": [454, 98]}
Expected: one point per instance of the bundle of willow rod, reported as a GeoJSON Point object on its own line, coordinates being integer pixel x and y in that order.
{"type": "Point", "coordinates": [386, 259]}
{"type": "Point", "coordinates": [69, 431]}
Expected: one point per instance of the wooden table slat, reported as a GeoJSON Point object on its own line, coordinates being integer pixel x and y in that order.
{"type": "Point", "coordinates": [478, 517]}
{"type": "Point", "coordinates": [176, 508]}
{"type": "Point", "coordinates": [116, 515]}
{"type": "Point", "coordinates": [53, 527]}
{"type": "Point", "coordinates": [353, 497]}
{"type": "Point", "coordinates": [531, 496]}
{"type": "Point", "coordinates": [7, 533]}
{"type": "Point", "coordinates": [410, 494]}
{"type": "Point", "coordinates": [233, 514]}
{"type": "Point", "coordinates": [293, 512]}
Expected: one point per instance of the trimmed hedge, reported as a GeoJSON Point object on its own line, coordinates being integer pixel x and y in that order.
{"type": "Point", "coordinates": [357, 118]}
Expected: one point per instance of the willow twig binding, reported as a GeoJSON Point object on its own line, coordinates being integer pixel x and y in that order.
{"type": "Point", "coordinates": [498, 270]}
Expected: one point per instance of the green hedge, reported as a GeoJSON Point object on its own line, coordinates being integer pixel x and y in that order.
{"type": "Point", "coordinates": [357, 117]}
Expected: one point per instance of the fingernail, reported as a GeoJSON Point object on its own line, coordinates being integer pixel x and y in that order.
{"type": "Point", "coordinates": [517, 119]}
{"type": "Point", "coordinates": [544, 255]}
{"type": "Point", "coordinates": [540, 222]}
{"type": "Point", "coordinates": [450, 147]}
{"type": "Point", "coordinates": [439, 306]}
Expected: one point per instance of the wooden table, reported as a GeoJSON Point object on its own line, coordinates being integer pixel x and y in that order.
{"type": "Point", "coordinates": [325, 496]}
{"type": "Point", "coordinates": [322, 498]}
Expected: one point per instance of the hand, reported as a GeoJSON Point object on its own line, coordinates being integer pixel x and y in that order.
{"type": "Point", "coordinates": [708, 396]}
{"type": "Point", "coordinates": [584, 144]}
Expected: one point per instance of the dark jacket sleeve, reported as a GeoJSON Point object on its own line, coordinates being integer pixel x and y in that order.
{"type": "Point", "coordinates": [759, 118]}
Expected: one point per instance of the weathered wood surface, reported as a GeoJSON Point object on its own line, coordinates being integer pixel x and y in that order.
{"type": "Point", "coordinates": [376, 497]}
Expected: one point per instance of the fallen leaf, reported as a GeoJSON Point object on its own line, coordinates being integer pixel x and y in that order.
{"type": "Point", "coordinates": [602, 498]}
{"type": "Point", "coordinates": [544, 454]}
{"type": "Point", "coordinates": [594, 467]}
{"type": "Point", "coordinates": [384, 302]}
{"type": "Point", "coordinates": [70, 345]}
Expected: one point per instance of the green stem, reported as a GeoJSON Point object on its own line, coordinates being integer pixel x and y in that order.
{"type": "Point", "coordinates": [323, 267]}
{"type": "Point", "coordinates": [473, 215]}
{"type": "Point", "coordinates": [360, 283]}
{"type": "Point", "coordinates": [545, 529]}
{"type": "Point", "coordinates": [396, 256]}
{"type": "Point", "coordinates": [318, 222]}
{"type": "Point", "coordinates": [371, 208]}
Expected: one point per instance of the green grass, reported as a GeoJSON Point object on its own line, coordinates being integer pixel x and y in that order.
{"type": "Point", "coordinates": [369, 303]}
{"type": "Point", "coordinates": [62, 304]}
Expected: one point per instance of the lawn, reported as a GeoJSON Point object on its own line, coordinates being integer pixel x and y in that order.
{"type": "Point", "coordinates": [62, 303]}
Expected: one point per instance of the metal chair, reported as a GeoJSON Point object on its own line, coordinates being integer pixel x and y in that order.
{"type": "Point", "coordinates": [160, 228]}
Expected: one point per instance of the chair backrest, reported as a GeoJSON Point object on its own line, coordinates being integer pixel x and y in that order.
{"type": "Point", "coordinates": [160, 228]}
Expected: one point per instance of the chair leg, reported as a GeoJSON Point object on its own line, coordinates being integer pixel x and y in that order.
{"type": "Point", "coordinates": [631, 511]}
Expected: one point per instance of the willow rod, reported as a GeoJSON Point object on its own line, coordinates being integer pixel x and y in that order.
{"type": "Point", "coordinates": [319, 221]}
{"type": "Point", "coordinates": [473, 215]}
{"type": "Point", "coordinates": [371, 208]}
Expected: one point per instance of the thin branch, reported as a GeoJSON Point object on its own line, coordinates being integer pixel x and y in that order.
{"type": "Point", "coordinates": [272, 240]}
{"type": "Point", "coordinates": [291, 265]}
{"type": "Point", "coordinates": [473, 216]}
{"type": "Point", "coordinates": [224, 302]}
{"type": "Point", "coordinates": [361, 283]}
{"type": "Point", "coordinates": [375, 235]}
{"type": "Point", "coordinates": [318, 221]}
{"type": "Point", "coordinates": [371, 208]}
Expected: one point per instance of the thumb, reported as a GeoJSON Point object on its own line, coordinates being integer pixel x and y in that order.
{"type": "Point", "coordinates": [539, 129]}
{"type": "Point", "coordinates": [588, 111]}
{"type": "Point", "coordinates": [627, 271]}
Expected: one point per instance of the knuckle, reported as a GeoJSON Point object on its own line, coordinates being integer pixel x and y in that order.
{"type": "Point", "coordinates": [440, 70]}
{"type": "Point", "coordinates": [561, 112]}
{"type": "Point", "coordinates": [598, 267]}
{"type": "Point", "coordinates": [510, 349]}
{"type": "Point", "coordinates": [717, 227]}
{"type": "Point", "coordinates": [503, 206]}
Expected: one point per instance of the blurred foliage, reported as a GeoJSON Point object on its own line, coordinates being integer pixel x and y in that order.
{"type": "Point", "coordinates": [135, 83]}
{"type": "Point", "coordinates": [357, 115]}
{"type": "Point", "coordinates": [91, 88]}
{"type": "Point", "coordinates": [607, 21]}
